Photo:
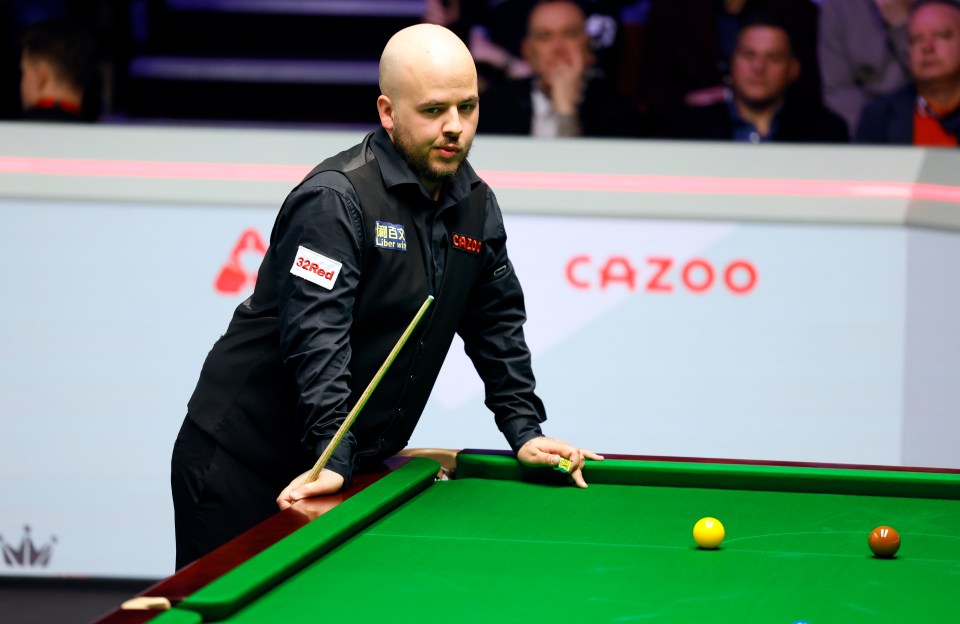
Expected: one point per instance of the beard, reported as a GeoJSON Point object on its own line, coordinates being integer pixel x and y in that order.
{"type": "Point", "coordinates": [419, 160]}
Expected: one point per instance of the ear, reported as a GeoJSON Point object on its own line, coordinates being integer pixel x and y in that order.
{"type": "Point", "coordinates": [525, 49]}
{"type": "Point", "coordinates": [387, 112]}
{"type": "Point", "coordinates": [794, 70]}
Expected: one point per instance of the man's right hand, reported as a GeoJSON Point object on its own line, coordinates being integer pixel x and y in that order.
{"type": "Point", "coordinates": [327, 482]}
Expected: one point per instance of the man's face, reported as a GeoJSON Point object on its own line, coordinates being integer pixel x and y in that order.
{"type": "Point", "coordinates": [762, 66]}
{"type": "Point", "coordinates": [935, 43]}
{"type": "Point", "coordinates": [433, 121]}
{"type": "Point", "coordinates": [556, 34]}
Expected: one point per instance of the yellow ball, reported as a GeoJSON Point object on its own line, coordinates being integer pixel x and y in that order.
{"type": "Point", "coordinates": [708, 533]}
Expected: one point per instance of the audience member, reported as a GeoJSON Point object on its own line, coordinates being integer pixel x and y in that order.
{"type": "Point", "coordinates": [563, 97]}
{"type": "Point", "coordinates": [927, 111]}
{"type": "Point", "coordinates": [688, 45]}
{"type": "Point", "coordinates": [58, 68]}
{"type": "Point", "coordinates": [862, 47]}
{"type": "Point", "coordinates": [491, 30]}
{"type": "Point", "coordinates": [494, 31]}
{"type": "Point", "coordinates": [759, 106]}
{"type": "Point", "coordinates": [633, 31]}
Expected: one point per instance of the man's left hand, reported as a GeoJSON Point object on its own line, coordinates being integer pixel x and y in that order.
{"type": "Point", "coordinates": [327, 482]}
{"type": "Point", "coordinates": [545, 451]}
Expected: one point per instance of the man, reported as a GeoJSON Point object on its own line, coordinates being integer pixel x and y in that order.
{"type": "Point", "coordinates": [58, 65]}
{"type": "Point", "coordinates": [926, 112]}
{"type": "Point", "coordinates": [688, 45]}
{"type": "Point", "coordinates": [563, 98]}
{"type": "Point", "coordinates": [862, 48]}
{"type": "Point", "coordinates": [759, 107]}
{"type": "Point", "coordinates": [382, 225]}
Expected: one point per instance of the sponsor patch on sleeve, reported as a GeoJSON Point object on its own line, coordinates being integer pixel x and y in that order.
{"type": "Point", "coordinates": [390, 236]}
{"type": "Point", "coordinates": [316, 268]}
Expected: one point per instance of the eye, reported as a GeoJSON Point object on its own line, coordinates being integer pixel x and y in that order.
{"type": "Point", "coordinates": [468, 107]}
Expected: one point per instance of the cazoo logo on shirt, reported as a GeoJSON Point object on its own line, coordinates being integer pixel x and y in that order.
{"type": "Point", "coordinates": [660, 274]}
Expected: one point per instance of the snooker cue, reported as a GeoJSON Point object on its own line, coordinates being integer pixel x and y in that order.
{"type": "Point", "coordinates": [352, 416]}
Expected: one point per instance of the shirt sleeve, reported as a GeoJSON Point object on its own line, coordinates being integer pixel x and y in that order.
{"type": "Point", "coordinates": [321, 226]}
{"type": "Point", "coordinates": [492, 332]}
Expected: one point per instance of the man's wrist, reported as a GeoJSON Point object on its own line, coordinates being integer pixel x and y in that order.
{"type": "Point", "coordinates": [568, 125]}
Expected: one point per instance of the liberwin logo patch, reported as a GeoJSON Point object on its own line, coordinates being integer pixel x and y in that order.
{"type": "Point", "coordinates": [390, 236]}
{"type": "Point", "coordinates": [316, 268]}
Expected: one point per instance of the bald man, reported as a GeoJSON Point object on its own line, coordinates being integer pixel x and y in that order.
{"type": "Point", "coordinates": [355, 250]}
{"type": "Point", "coordinates": [927, 111]}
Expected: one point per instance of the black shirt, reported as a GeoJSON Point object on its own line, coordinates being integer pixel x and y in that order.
{"type": "Point", "coordinates": [300, 351]}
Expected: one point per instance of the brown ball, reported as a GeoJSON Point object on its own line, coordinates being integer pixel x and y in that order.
{"type": "Point", "coordinates": [884, 541]}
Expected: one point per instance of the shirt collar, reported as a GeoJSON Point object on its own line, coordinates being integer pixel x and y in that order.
{"type": "Point", "coordinates": [395, 171]}
{"type": "Point", "coordinates": [745, 131]}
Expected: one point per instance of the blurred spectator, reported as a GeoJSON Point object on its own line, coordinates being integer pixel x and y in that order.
{"type": "Point", "coordinates": [689, 44]}
{"type": "Point", "coordinates": [758, 107]}
{"type": "Point", "coordinates": [633, 30]}
{"type": "Point", "coordinates": [494, 31]}
{"type": "Point", "coordinates": [562, 98]}
{"type": "Point", "coordinates": [862, 47]}
{"type": "Point", "coordinates": [58, 68]}
{"type": "Point", "coordinates": [926, 112]}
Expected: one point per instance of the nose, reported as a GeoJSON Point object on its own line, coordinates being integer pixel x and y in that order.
{"type": "Point", "coordinates": [451, 122]}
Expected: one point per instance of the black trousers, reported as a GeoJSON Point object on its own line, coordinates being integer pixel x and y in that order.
{"type": "Point", "coordinates": [215, 496]}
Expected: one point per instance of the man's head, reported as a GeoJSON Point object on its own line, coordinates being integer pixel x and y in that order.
{"type": "Point", "coordinates": [58, 61]}
{"type": "Point", "coordinates": [429, 102]}
{"type": "Point", "coordinates": [763, 64]}
{"type": "Point", "coordinates": [934, 31]}
{"type": "Point", "coordinates": [556, 34]}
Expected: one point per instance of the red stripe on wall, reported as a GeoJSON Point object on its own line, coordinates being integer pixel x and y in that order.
{"type": "Point", "coordinates": [679, 185]}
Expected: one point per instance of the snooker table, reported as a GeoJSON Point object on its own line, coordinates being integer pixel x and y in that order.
{"type": "Point", "coordinates": [500, 542]}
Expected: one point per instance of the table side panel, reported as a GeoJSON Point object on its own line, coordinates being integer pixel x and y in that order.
{"type": "Point", "coordinates": [256, 576]}
{"type": "Point", "coordinates": [726, 476]}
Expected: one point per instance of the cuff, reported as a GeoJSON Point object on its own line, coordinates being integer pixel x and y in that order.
{"type": "Point", "coordinates": [519, 431]}
{"type": "Point", "coordinates": [341, 462]}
